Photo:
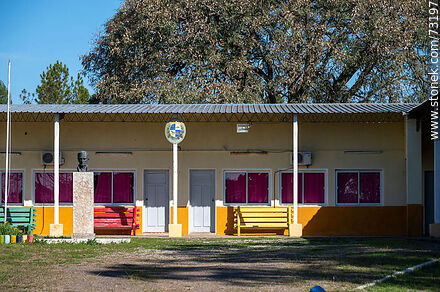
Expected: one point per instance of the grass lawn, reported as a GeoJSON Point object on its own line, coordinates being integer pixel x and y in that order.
{"type": "Point", "coordinates": [220, 264]}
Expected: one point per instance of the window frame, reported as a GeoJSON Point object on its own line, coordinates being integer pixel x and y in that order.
{"type": "Point", "coordinates": [23, 185]}
{"type": "Point", "coordinates": [280, 187]}
{"type": "Point", "coordinates": [247, 171]}
{"type": "Point", "coordinates": [112, 171]}
{"type": "Point", "coordinates": [359, 171]}
{"type": "Point", "coordinates": [34, 172]}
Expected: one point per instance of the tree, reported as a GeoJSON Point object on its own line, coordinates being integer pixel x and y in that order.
{"type": "Point", "coordinates": [215, 51]}
{"type": "Point", "coordinates": [3, 93]}
{"type": "Point", "coordinates": [57, 87]}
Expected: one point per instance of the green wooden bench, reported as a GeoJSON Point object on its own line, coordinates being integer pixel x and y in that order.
{"type": "Point", "coordinates": [20, 217]}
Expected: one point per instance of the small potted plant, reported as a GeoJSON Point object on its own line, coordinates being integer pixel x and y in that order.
{"type": "Point", "coordinates": [10, 234]}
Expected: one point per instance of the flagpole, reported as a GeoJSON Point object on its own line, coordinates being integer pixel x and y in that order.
{"type": "Point", "coordinates": [8, 123]}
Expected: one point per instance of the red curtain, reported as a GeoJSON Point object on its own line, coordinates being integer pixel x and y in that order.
{"type": "Point", "coordinates": [123, 187]}
{"type": "Point", "coordinates": [287, 188]}
{"type": "Point", "coordinates": [347, 187]}
{"type": "Point", "coordinates": [258, 188]}
{"type": "Point", "coordinates": [370, 187]}
{"type": "Point", "coordinates": [103, 187]}
{"type": "Point", "coordinates": [15, 187]}
{"type": "Point", "coordinates": [235, 187]}
{"type": "Point", "coordinates": [44, 188]}
{"type": "Point", "coordinates": [313, 188]}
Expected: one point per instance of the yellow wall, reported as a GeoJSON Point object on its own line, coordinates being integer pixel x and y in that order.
{"type": "Point", "coordinates": [208, 146]}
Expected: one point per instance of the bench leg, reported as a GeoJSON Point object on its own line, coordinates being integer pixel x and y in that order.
{"type": "Point", "coordinates": [238, 229]}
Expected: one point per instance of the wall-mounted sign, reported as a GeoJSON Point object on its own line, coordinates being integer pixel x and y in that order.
{"type": "Point", "coordinates": [175, 131]}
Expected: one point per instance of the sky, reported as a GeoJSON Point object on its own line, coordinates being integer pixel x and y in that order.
{"type": "Point", "coordinates": [37, 33]}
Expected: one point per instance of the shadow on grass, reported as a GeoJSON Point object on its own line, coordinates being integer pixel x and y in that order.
{"type": "Point", "coordinates": [287, 262]}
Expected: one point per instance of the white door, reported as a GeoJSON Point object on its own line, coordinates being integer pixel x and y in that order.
{"type": "Point", "coordinates": [202, 200]}
{"type": "Point", "coordinates": [156, 200]}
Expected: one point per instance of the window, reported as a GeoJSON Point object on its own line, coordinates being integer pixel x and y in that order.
{"type": "Point", "coordinates": [44, 187]}
{"type": "Point", "coordinates": [358, 187]}
{"type": "Point", "coordinates": [311, 188]}
{"type": "Point", "coordinates": [15, 187]}
{"type": "Point", "coordinates": [114, 187]}
{"type": "Point", "coordinates": [243, 187]}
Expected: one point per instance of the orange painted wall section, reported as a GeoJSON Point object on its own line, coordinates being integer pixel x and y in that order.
{"type": "Point", "coordinates": [182, 218]}
{"type": "Point", "coordinates": [324, 221]}
{"type": "Point", "coordinates": [45, 218]}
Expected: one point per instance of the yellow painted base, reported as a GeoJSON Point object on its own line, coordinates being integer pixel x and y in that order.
{"type": "Point", "coordinates": [175, 230]}
{"type": "Point", "coordinates": [295, 230]}
{"type": "Point", "coordinates": [434, 230]}
{"type": "Point", "coordinates": [56, 230]}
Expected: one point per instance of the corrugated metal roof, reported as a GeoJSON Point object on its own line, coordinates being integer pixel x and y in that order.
{"type": "Point", "coordinates": [329, 108]}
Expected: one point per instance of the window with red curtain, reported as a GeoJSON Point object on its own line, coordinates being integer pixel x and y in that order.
{"type": "Point", "coordinates": [44, 187]}
{"type": "Point", "coordinates": [103, 187]}
{"type": "Point", "coordinates": [362, 186]}
{"type": "Point", "coordinates": [314, 188]}
{"type": "Point", "coordinates": [287, 188]}
{"type": "Point", "coordinates": [15, 187]}
{"type": "Point", "coordinates": [369, 187]}
{"type": "Point", "coordinates": [123, 184]}
{"type": "Point", "coordinates": [235, 187]}
{"type": "Point", "coordinates": [347, 187]}
{"type": "Point", "coordinates": [258, 188]}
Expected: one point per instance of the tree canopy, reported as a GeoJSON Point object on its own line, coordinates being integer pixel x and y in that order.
{"type": "Point", "coordinates": [3, 93]}
{"type": "Point", "coordinates": [57, 86]}
{"type": "Point", "coordinates": [244, 51]}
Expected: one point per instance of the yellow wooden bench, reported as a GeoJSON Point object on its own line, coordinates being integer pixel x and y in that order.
{"type": "Point", "coordinates": [263, 217]}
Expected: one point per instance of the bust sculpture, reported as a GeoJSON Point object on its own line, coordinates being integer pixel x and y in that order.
{"type": "Point", "coordinates": [83, 158]}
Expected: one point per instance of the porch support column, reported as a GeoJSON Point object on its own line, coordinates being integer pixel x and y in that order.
{"type": "Point", "coordinates": [414, 210]}
{"type": "Point", "coordinates": [295, 229]}
{"type": "Point", "coordinates": [56, 229]}
{"type": "Point", "coordinates": [175, 229]}
{"type": "Point", "coordinates": [434, 229]}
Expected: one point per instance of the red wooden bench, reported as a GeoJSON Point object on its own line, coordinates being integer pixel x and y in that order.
{"type": "Point", "coordinates": [117, 217]}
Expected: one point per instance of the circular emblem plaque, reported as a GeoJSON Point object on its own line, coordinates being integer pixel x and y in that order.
{"type": "Point", "coordinates": [175, 131]}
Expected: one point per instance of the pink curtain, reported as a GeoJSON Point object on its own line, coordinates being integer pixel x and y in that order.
{"type": "Point", "coordinates": [287, 188]}
{"type": "Point", "coordinates": [347, 187]}
{"type": "Point", "coordinates": [123, 187]}
{"type": "Point", "coordinates": [258, 188]}
{"type": "Point", "coordinates": [313, 188]}
{"type": "Point", "coordinates": [66, 188]}
{"type": "Point", "coordinates": [235, 187]}
{"type": "Point", "coordinates": [103, 187]}
{"type": "Point", "coordinates": [370, 187]}
{"type": "Point", "coordinates": [44, 188]}
{"type": "Point", "coordinates": [15, 188]}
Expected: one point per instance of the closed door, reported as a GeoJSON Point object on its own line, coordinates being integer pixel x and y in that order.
{"type": "Point", "coordinates": [202, 200]}
{"type": "Point", "coordinates": [429, 200]}
{"type": "Point", "coordinates": [156, 201]}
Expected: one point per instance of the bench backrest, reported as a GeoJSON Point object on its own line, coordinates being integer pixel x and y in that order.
{"type": "Point", "coordinates": [115, 216]}
{"type": "Point", "coordinates": [19, 215]}
{"type": "Point", "coordinates": [264, 216]}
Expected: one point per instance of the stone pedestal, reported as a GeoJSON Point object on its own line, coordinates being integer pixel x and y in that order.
{"type": "Point", "coordinates": [174, 230]}
{"type": "Point", "coordinates": [434, 230]}
{"type": "Point", "coordinates": [295, 230]}
{"type": "Point", "coordinates": [56, 230]}
{"type": "Point", "coordinates": [83, 205]}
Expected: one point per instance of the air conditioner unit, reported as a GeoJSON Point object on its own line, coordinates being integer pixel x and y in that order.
{"type": "Point", "coordinates": [47, 158]}
{"type": "Point", "coordinates": [304, 158]}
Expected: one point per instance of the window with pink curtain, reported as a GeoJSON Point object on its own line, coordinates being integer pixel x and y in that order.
{"type": "Point", "coordinates": [66, 188]}
{"type": "Point", "coordinates": [347, 187]}
{"type": "Point", "coordinates": [235, 187]}
{"type": "Point", "coordinates": [103, 187]}
{"type": "Point", "coordinates": [258, 188]}
{"type": "Point", "coordinates": [15, 188]}
{"type": "Point", "coordinates": [123, 187]}
{"type": "Point", "coordinates": [287, 188]}
{"type": "Point", "coordinates": [314, 188]}
{"type": "Point", "coordinates": [44, 188]}
{"type": "Point", "coordinates": [369, 187]}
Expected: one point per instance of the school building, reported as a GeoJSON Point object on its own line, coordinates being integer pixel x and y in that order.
{"type": "Point", "coordinates": [363, 169]}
